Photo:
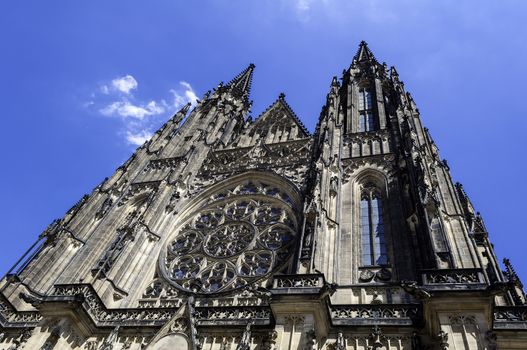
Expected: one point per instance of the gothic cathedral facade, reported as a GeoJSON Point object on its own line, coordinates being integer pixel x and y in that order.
{"type": "Point", "coordinates": [227, 233]}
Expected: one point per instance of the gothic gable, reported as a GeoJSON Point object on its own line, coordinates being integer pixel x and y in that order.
{"type": "Point", "coordinates": [278, 123]}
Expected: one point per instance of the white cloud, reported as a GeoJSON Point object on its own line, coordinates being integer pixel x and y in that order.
{"type": "Point", "coordinates": [138, 138]}
{"type": "Point", "coordinates": [125, 84]}
{"type": "Point", "coordinates": [183, 95]}
{"type": "Point", "coordinates": [140, 118]}
{"type": "Point", "coordinates": [126, 109]}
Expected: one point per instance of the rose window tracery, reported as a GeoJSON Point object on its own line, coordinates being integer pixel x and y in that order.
{"type": "Point", "coordinates": [229, 239]}
{"type": "Point", "coordinates": [240, 236]}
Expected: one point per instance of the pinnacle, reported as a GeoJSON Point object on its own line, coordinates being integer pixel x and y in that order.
{"type": "Point", "coordinates": [241, 84]}
{"type": "Point", "coordinates": [185, 108]}
{"type": "Point", "coordinates": [364, 53]}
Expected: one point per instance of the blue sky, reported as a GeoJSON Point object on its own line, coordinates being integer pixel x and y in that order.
{"type": "Point", "coordinates": [82, 82]}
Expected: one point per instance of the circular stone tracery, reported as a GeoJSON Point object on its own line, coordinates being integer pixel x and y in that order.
{"type": "Point", "coordinates": [229, 239]}
{"type": "Point", "coordinates": [238, 238]}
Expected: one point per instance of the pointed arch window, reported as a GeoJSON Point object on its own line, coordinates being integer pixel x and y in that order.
{"type": "Point", "coordinates": [366, 121]}
{"type": "Point", "coordinates": [364, 99]}
{"type": "Point", "coordinates": [372, 227]}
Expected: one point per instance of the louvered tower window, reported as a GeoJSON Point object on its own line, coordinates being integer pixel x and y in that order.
{"type": "Point", "coordinates": [372, 227]}
{"type": "Point", "coordinates": [366, 122]}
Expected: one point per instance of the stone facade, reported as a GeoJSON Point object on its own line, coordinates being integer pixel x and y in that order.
{"type": "Point", "coordinates": [226, 233]}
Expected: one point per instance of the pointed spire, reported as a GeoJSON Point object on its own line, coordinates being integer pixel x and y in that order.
{"type": "Point", "coordinates": [180, 115]}
{"type": "Point", "coordinates": [364, 53]}
{"type": "Point", "coordinates": [393, 72]}
{"type": "Point", "coordinates": [241, 84]}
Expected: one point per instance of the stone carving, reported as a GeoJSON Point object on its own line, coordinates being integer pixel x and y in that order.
{"type": "Point", "coordinates": [465, 276]}
{"type": "Point", "coordinates": [233, 241]}
{"type": "Point", "coordinates": [91, 345]}
{"type": "Point", "coordinates": [375, 337]}
{"type": "Point", "coordinates": [245, 341]}
{"type": "Point", "coordinates": [340, 344]}
{"type": "Point", "coordinates": [405, 312]}
{"type": "Point", "coordinates": [510, 313]}
{"type": "Point", "coordinates": [17, 318]}
{"type": "Point", "coordinates": [412, 288]}
{"type": "Point", "coordinates": [110, 341]}
{"type": "Point", "coordinates": [287, 159]}
{"type": "Point", "coordinates": [378, 275]}
{"type": "Point", "coordinates": [147, 188]}
{"type": "Point", "coordinates": [299, 281]}
{"type": "Point", "coordinates": [19, 342]}
{"type": "Point", "coordinates": [105, 317]}
{"type": "Point", "coordinates": [105, 207]}
{"type": "Point", "coordinates": [443, 340]}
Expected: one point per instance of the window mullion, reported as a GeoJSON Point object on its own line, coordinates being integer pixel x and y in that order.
{"type": "Point", "coordinates": [372, 239]}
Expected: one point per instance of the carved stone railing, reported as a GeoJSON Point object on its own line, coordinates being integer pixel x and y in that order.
{"type": "Point", "coordinates": [510, 317]}
{"type": "Point", "coordinates": [139, 317]}
{"type": "Point", "coordinates": [453, 279]}
{"type": "Point", "coordinates": [84, 299]}
{"type": "Point", "coordinates": [10, 317]}
{"type": "Point", "coordinates": [298, 284]}
{"type": "Point", "coordinates": [163, 163]}
{"type": "Point", "coordinates": [372, 314]}
{"type": "Point", "coordinates": [233, 316]}
{"type": "Point", "coordinates": [102, 316]}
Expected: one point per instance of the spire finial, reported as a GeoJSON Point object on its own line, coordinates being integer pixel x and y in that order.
{"type": "Point", "coordinates": [241, 84]}
{"type": "Point", "coordinates": [364, 53]}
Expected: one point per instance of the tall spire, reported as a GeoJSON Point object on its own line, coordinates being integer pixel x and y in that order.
{"type": "Point", "coordinates": [364, 54]}
{"type": "Point", "coordinates": [241, 84]}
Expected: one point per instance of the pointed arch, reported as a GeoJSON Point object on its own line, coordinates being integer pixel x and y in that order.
{"type": "Point", "coordinates": [371, 194]}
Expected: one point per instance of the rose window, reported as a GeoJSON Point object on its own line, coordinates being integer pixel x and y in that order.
{"type": "Point", "coordinates": [229, 239]}
{"type": "Point", "coordinates": [241, 236]}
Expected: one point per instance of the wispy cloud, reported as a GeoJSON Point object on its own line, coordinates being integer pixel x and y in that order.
{"type": "Point", "coordinates": [138, 138]}
{"type": "Point", "coordinates": [140, 117]}
{"type": "Point", "coordinates": [183, 94]}
{"type": "Point", "coordinates": [128, 110]}
{"type": "Point", "coordinates": [123, 84]}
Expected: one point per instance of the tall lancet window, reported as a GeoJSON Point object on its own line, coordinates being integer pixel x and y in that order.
{"type": "Point", "coordinates": [372, 227]}
{"type": "Point", "coordinates": [366, 122]}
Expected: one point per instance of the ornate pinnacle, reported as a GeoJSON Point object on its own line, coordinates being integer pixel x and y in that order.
{"type": "Point", "coordinates": [511, 273]}
{"type": "Point", "coordinates": [364, 53]}
{"type": "Point", "coordinates": [241, 84]}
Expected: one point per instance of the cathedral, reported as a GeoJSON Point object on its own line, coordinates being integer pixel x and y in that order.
{"type": "Point", "coordinates": [228, 233]}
